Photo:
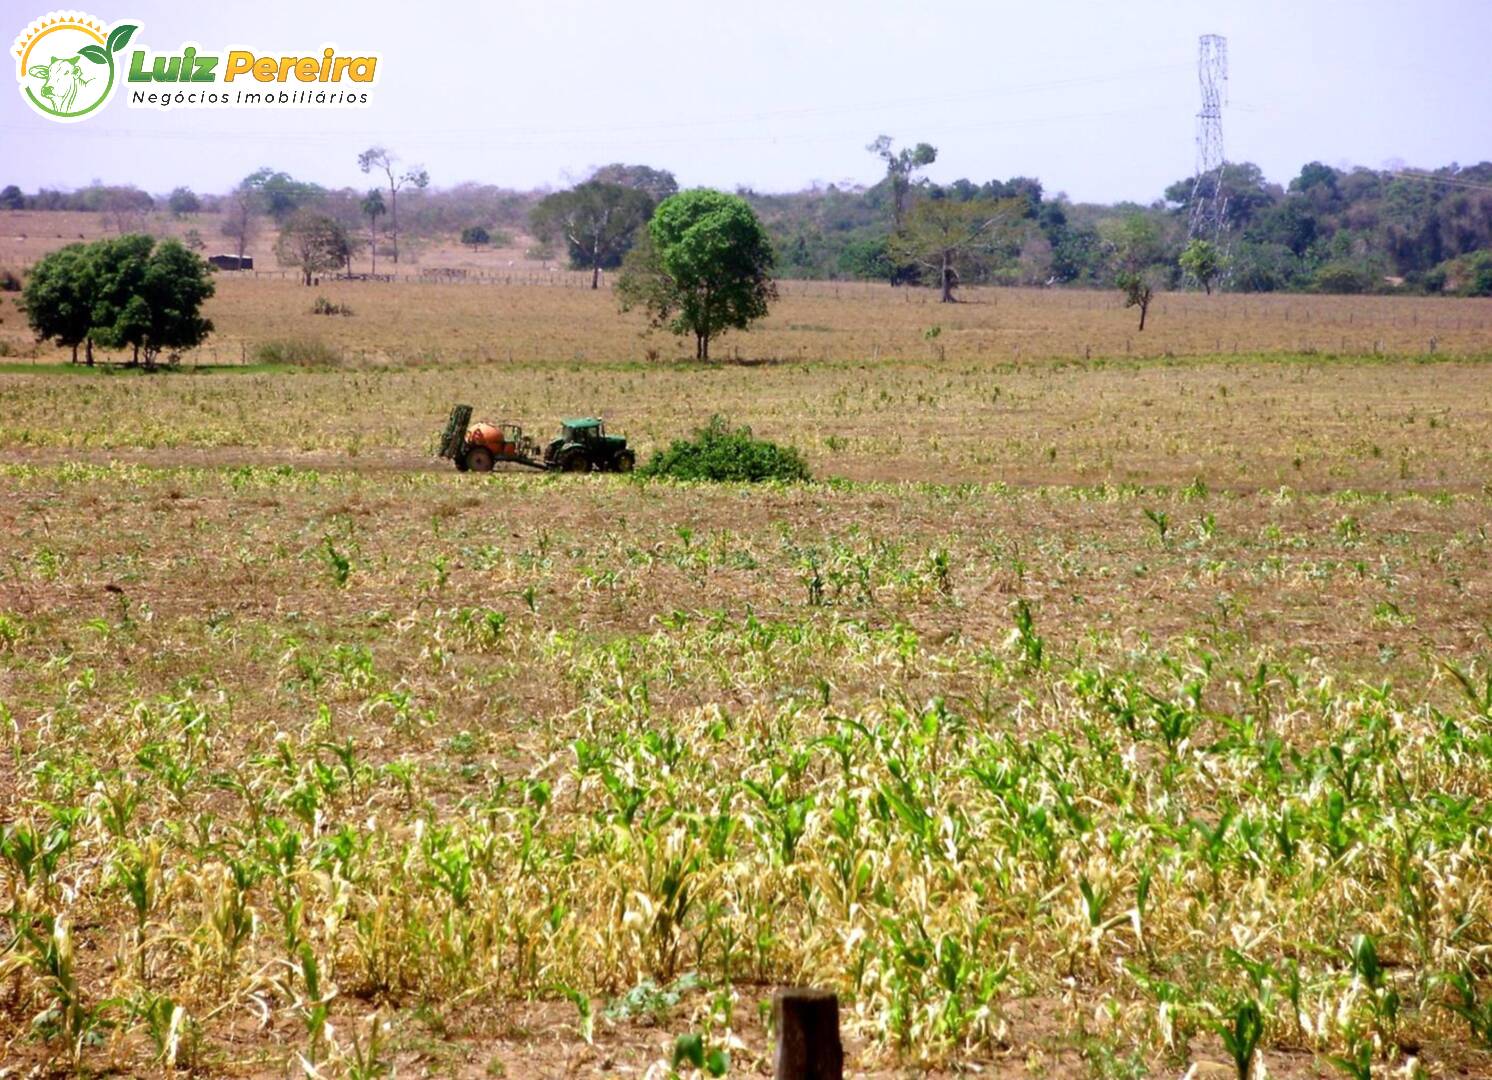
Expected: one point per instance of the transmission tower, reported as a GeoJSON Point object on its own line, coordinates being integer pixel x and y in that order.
{"type": "Point", "coordinates": [1209, 202]}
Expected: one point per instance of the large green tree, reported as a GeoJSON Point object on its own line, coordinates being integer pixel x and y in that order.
{"type": "Point", "coordinates": [597, 221]}
{"type": "Point", "coordinates": [704, 268]}
{"type": "Point", "coordinates": [148, 297]}
{"type": "Point", "coordinates": [58, 299]}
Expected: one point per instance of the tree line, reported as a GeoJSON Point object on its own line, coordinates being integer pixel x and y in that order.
{"type": "Point", "coordinates": [1327, 229]}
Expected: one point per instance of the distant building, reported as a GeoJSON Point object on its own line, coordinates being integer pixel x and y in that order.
{"type": "Point", "coordinates": [231, 262]}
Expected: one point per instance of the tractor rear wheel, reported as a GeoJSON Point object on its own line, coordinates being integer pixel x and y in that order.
{"type": "Point", "coordinates": [574, 460]}
{"type": "Point", "coordinates": [625, 461]}
{"type": "Point", "coordinates": [479, 459]}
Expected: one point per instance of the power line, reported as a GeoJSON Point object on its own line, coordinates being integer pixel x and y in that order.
{"type": "Point", "coordinates": [1431, 178]}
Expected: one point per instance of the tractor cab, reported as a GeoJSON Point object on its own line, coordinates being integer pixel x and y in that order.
{"type": "Point", "coordinates": [583, 445]}
{"type": "Point", "coordinates": [583, 429]}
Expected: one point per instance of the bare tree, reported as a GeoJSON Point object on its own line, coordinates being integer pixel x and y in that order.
{"type": "Point", "coordinates": [313, 243]}
{"type": "Point", "coordinates": [940, 232]}
{"type": "Point", "coordinates": [239, 220]}
{"type": "Point", "coordinates": [385, 161]}
{"type": "Point", "coordinates": [126, 209]}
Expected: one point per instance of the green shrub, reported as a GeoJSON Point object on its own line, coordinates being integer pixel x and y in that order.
{"type": "Point", "coordinates": [323, 306]}
{"type": "Point", "coordinates": [1345, 277]}
{"type": "Point", "coordinates": [301, 352]}
{"type": "Point", "coordinates": [721, 453]}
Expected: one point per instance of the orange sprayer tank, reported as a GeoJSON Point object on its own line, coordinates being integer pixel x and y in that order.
{"type": "Point", "coordinates": [490, 436]}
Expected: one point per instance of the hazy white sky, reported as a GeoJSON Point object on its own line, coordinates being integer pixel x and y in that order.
{"type": "Point", "coordinates": [1095, 97]}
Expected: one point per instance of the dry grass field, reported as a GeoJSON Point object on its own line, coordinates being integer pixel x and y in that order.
{"type": "Point", "coordinates": [1103, 689]}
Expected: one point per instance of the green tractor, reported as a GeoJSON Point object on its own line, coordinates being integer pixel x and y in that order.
{"type": "Point", "coordinates": [583, 446]}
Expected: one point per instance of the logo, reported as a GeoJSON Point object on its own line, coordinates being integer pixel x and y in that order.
{"type": "Point", "coordinates": [66, 63]}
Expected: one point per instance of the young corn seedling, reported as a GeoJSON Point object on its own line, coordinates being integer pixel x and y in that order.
{"type": "Point", "coordinates": [1383, 1000]}
{"type": "Point", "coordinates": [48, 952]}
{"type": "Point", "coordinates": [171, 1029]}
{"type": "Point", "coordinates": [1241, 1033]}
{"type": "Point", "coordinates": [314, 1008]}
{"type": "Point", "coordinates": [365, 1061]}
{"type": "Point", "coordinates": [1025, 640]}
{"type": "Point", "coordinates": [1162, 522]}
{"type": "Point", "coordinates": [338, 565]}
{"type": "Point", "coordinates": [1471, 1007]}
{"type": "Point", "coordinates": [691, 1050]}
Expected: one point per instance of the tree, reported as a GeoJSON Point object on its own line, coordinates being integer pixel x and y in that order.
{"type": "Point", "coordinates": [658, 183]}
{"type": "Point", "coordinates": [11, 198]}
{"type": "Point", "coordinates": [182, 201]}
{"type": "Point", "coordinates": [1138, 287]}
{"type": "Point", "coordinates": [125, 209]}
{"type": "Point", "coordinates": [239, 220]}
{"type": "Point", "coordinates": [1315, 176]}
{"type": "Point", "coordinates": [901, 167]}
{"type": "Point", "coordinates": [58, 297]}
{"type": "Point", "coordinates": [938, 233]}
{"type": "Point", "coordinates": [704, 267]}
{"type": "Point", "coordinates": [312, 242]}
{"type": "Point", "coordinates": [1240, 184]}
{"type": "Point", "coordinates": [1134, 242]}
{"type": "Point", "coordinates": [373, 209]}
{"type": "Point", "coordinates": [280, 194]}
{"type": "Point", "coordinates": [596, 220]}
{"type": "Point", "coordinates": [475, 236]}
{"type": "Point", "coordinates": [148, 297]}
{"type": "Point", "coordinates": [376, 157]}
{"type": "Point", "coordinates": [1203, 261]}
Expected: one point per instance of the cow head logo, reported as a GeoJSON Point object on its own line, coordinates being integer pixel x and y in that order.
{"type": "Point", "coordinates": [65, 63]}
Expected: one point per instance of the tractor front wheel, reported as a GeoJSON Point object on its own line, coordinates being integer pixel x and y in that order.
{"type": "Point", "coordinates": [574, 460]}
{"type": "Point", "coordinates": [479, 459]}
{"type": "Point", "coordinates": [626, 461]}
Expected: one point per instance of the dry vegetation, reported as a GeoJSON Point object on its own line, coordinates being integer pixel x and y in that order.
{"type": "Point", "coordinates": [1087, 701]}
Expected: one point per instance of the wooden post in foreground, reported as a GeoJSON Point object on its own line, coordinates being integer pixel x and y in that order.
{"type": "Point", "coordinates": [808, 1046]}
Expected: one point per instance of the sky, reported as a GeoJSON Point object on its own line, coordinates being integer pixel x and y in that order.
{"type": "Point", "coordinates": [1097, 99]}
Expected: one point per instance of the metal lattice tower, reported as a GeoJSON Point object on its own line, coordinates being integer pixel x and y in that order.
{"type": "Point", "coordinates": [1209, 201]}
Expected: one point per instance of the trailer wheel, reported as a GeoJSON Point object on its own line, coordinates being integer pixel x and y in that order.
{"type": "Point", "coordinates": [479, 459]}
{"type": "Point", "coordinates": [574, 460]}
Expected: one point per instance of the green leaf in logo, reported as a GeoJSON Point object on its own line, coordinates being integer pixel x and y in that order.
{"type": "Point", "coordinates": [94, 53]}
{"type": "Point", "coordinates": [119, 37]}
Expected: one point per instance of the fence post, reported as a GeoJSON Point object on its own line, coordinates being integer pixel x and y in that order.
{"type": "Point", "coordinates": [807, 1023]}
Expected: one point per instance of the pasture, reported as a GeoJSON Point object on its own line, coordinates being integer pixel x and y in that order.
{"type": "Point", "coordinates": [1104, 687]}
